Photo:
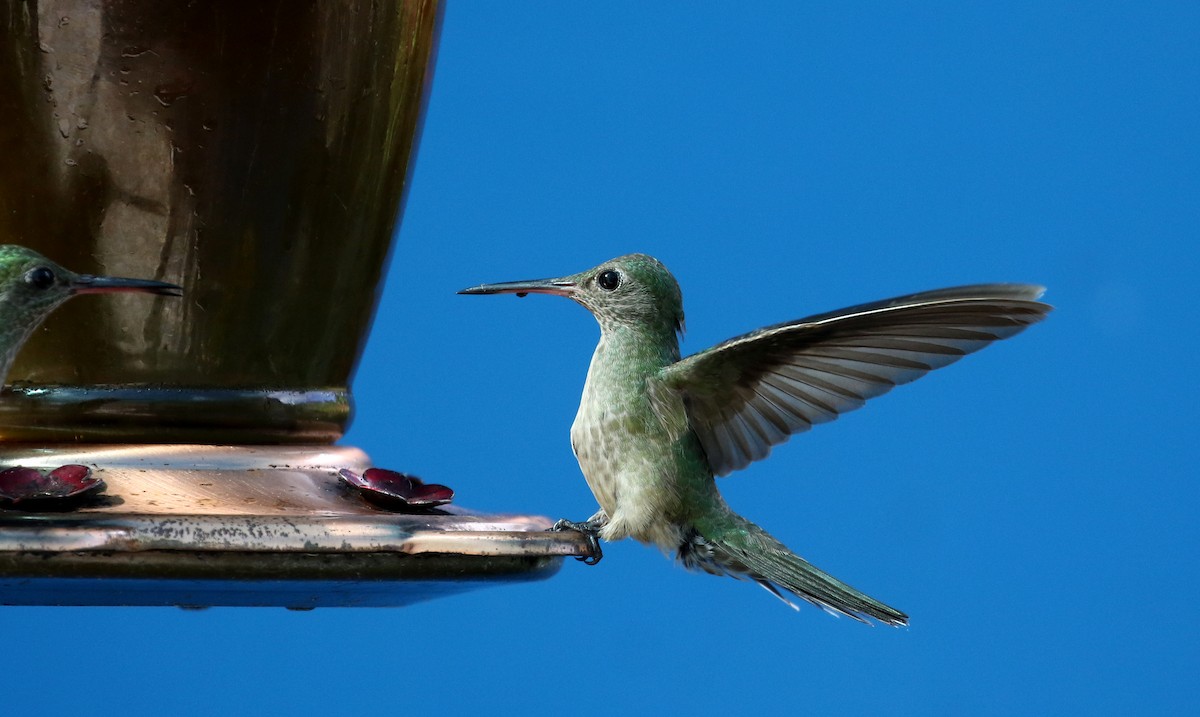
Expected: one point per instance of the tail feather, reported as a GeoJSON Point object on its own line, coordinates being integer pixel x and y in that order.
{"type": "Point", "coordinates": [749, 552]}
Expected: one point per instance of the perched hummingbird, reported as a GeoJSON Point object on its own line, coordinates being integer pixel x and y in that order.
{"type": "Point", "coordinates": [31, 286]}
{"type": "Point", "coordinates": [652, 430]}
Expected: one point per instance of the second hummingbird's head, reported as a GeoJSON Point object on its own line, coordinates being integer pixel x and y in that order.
{"type": "Point", "coordinates": [633, 290]}
{"type": "Point", "coordinates": [31, 286]}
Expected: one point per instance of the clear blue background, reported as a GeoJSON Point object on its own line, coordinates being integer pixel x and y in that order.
{"type": "Point", "coordinates": [1032, 507]}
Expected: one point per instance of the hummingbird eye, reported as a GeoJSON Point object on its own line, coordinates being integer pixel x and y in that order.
{"type": "Point", "coordinates": [41, 277]}
{"type": "Point", "coordinates": [609, 280]}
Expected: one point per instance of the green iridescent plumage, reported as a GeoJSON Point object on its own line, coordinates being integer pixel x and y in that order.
{"type": "Point", "coordinates": [653, 431]}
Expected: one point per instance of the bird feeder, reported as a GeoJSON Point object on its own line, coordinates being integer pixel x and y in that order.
{"type": "Point", "coordinates": [256, 154]}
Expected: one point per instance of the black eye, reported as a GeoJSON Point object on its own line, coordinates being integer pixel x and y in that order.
{"type": "Point", "coordinates": [41, 277]}
{"type": "Point", "coordinates": [609, 280]}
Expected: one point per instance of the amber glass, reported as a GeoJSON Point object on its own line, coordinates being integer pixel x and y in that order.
{"type": "Point", "coordinates": [256, 152]}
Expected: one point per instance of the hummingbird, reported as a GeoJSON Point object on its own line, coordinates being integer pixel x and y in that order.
{"type": "Point", "coordinates": [653, 431]}
{"type": "Point", "coordinates": [32, 286]}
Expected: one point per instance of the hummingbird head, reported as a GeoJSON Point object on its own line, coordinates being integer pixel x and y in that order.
{"type": "Point", "coordinates": [31, 286]}
{"type": "Point", "coordinates": [632, 290]}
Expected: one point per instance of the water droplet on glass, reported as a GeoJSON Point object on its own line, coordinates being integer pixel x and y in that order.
{"type": "Point", "coordinates": [71, 162]}
{"type": "Point", "coordinates": [167, 94]}
{"type": "Point", "coordinates": [134, 51]}
{"type": "Point", "coordinates": [64, 127]}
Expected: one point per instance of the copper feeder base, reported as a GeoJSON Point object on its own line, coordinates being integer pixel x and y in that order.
{"type": "Point", "coordinates": [200, 525]}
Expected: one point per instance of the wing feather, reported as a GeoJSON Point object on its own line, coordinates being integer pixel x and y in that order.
{"type": "Point", "coordinates": [754, 391]}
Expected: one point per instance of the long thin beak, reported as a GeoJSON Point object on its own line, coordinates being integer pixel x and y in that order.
{"type": "Point", "coordinates": [558, 287]}
{"type": "Point", "coordinates": [88, 284]}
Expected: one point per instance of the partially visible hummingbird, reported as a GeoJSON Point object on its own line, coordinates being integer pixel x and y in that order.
{"type": "Point", "coordinates": [31, 286]}
{"type": "Point", "coordinates": [652, 430]}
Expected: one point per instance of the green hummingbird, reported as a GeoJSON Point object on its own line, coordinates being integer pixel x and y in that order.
{"type": "Point", "coordinates": [31, 286]}
{"type": "Point", "coordinates": [653, 431]}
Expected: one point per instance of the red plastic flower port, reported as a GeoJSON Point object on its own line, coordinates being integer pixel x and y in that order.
{"type": "Point", "coordinates": [393, 490]}
{"type": "Point", "coordinates": [20, 484]}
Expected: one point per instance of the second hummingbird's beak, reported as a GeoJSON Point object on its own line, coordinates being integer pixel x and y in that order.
{"type": "Point", "coordinates": [558, 287]}
{"type": "Point", "coordinates": [88, 284]}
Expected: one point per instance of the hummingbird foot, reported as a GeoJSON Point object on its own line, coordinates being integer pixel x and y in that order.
{"type": "Point", "coordinates": [590, 530]}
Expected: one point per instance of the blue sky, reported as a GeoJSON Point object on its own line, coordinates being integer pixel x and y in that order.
{"type": "Point", "coordinates": [1031, 507]}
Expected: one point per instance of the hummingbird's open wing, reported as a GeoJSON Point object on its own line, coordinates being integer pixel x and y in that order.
{"type": "Point", "coordinates": [754, 391]}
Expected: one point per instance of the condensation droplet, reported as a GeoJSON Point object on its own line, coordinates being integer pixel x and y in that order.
{"type": "Point", "coordinates": [168, 93]}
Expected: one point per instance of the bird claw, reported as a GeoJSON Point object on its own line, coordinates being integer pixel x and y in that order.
{"type": "Point", "coordinates": [591, 531]}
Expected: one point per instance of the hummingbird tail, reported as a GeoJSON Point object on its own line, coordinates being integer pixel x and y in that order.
{"type": "Point", "coordinates": [745, 551]}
